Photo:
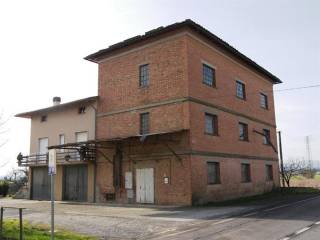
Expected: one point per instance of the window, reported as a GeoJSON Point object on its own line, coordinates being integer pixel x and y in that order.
{"type": "Point", "coordinates": [82, 110]}
{"type": "Point", "coordinates": [43, 145]}
{"type": "Point", "coordinates": [211, 124]}
{"type": "Point", "coordinates": [266, 136]}
{"type": "Point", "coordinates": [263, 101]}
{"type": "Point", "coordinates": [269, 173]}
{"type": "Point", "coordinates": [208, 75]}
{"type": "Point", "coordinates": [213, 172]}
{"type": "Point", "coordinates": [241, 90]}
{"type": "Point", "coordinates": [243, 131]}
{"type": "Point", "coordinates": [81, 136]}
{"type": "Point", "coordinates": [144, 75]}
{"type": "Point", "coordinates": [245, 172]}
{"type": "Point", "coordinates": [44, 118]}
{"type": "Point", "coordinates": [144, 123]}
{"type": "Point", "coordinates": [61, 141]}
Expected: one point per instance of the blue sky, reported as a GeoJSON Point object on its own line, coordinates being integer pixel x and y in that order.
{"type": "Point", "coordinates": [43, 43]}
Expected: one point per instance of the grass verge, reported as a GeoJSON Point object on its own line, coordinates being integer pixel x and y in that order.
{"type": "Point", "coordinates": [37, 232]}
{"type": "Point", "coordinates": [279, 193]}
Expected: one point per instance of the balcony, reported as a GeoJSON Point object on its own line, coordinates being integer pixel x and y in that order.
{"type": "Point", "coordinates": [80, 155]}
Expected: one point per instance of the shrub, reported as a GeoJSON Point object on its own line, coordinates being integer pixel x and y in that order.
{"type": "Point", "coordinates": [4, 188]}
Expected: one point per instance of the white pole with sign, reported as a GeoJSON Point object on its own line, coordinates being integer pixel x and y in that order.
{"type": "Point", "coordinates": [52, 166]}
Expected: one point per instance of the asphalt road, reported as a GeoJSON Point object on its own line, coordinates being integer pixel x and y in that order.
{"type": "Point", "coordinates": [299, 220]}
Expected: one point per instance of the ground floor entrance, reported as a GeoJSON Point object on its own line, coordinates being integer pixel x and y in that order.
{"type": "Point", "coordinates": [75, 183]}
{"type": "Point", "coordinates": [145, 185]}
{"type": "Point", "coordinates": [41, 184]}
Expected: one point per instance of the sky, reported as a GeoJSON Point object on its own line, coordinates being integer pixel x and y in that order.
{"type": "Point", "coordinates": [42, 45]}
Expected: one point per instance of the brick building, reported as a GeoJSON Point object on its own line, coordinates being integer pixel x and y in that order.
{"type": "Point", "coordinates": [185, 119]}
{"type": "Point", "coordinates": [182, 118]}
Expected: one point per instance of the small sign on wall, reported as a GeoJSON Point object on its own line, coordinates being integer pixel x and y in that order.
{"type": "Point", "coordinates": [166, 180]}
{"type": "Point", "coordinates": [128, 180]}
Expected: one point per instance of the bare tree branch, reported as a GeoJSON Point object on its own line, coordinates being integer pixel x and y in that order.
{"type": "Point", "coordinates": [292, 168]}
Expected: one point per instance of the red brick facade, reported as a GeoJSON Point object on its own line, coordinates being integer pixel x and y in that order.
{"type": "Point", "coordinates": [177, 101]}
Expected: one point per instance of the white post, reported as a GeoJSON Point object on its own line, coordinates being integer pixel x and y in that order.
{"type": "Point", "coordinates": [52, 171]}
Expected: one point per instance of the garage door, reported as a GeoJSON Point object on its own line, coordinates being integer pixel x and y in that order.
{"type": "Point", "coordinates": [75, 183]}
{"type": "Point", "coordinates": [40, 183]}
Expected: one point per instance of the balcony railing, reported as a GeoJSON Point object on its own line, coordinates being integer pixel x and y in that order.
{"type": "Point", "coordinates": [63, 157]}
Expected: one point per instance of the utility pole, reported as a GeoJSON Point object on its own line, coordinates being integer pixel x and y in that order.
{"type": "Point", "coordinates": [281, 158]}
{"type": "Point", "coordinates": [309, 154]}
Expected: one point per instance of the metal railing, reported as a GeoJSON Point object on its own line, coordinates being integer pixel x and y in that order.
{"type": "Point", "coordinates": [63, 157]}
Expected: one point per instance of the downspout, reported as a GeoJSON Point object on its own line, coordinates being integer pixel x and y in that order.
{"type": "Point", "coordinates": [95, 162]}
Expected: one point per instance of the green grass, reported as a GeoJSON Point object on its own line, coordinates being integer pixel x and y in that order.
{"type": "Point", "coordinates": [278, 193]}
{"type": "Point", "coordinates": [317, 177]}
{"type": "Point", "coordinates": [37, 232]}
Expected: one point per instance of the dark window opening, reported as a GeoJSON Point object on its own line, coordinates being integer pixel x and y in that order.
{"type": "Point", "coordinates": [209, 77]}
{"type": "Point", "coordinates": [266, 136]}
{"type": "Point", "coordinates": [82, 110]}
{"type": "Point", "coordinates": [44, 118]}
{"type": "Point", "coordinates": [241, 90]}
{"type": "Point", "coordinates": [243, 132]}
{"type": "Point", "coordinates": [213, 172]}
{"type": "Point", "coordinates": [144, 75]}
{"type": "Point", "coordinates": [269, 173]}
{"type": "Point", "coordinates": [144, 123]}
{"type": "Point", "coordinates": [245, 172]}
{"type": "Point", "coordinates": [211, 124]}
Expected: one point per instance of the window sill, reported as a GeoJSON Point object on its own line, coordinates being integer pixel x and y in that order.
{"type": "Point", "coordinates": [241, 140]}
{"type": "Point", "coordinates": [247, 182]}
{"type": "Point", "coordinates": [144, 87]}
{"type": "Point", "coordinates": [240, 98]}
{"type": "Point", "coordinates": [211, 134]}
{"type": "Point", "coordinates": [214, 184]}
{"type": "Point", "coordinates": [266, 109]}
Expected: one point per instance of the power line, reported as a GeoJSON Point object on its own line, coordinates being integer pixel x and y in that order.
{"type": "Point", "coordinates": [297, 88]}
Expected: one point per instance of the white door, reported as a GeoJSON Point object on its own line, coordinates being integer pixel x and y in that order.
{"type": "Point", "coordinates": [43, 145]}
{"type": "Point", "coordinates": [145, 185]}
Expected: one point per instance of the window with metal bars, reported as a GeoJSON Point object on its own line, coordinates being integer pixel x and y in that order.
{"type": "Point", "coordinates": [209, 77]}
{"type": "Point", "coordinates": [144, 75]}
{"type": "Point", "coordinates": [241, 90]}
{"type": "Point", "coordinates": [144, 123]}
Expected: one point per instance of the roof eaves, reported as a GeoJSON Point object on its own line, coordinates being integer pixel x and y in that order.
{"type": "Point", "coordinates": [55, 108]}
{"type": "Point", "coordinates": [97, 56]}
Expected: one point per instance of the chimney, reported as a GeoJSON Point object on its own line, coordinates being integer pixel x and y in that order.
{"type": "Point", "coordinates": [56, 101]}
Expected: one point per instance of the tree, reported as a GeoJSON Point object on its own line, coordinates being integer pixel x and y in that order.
{"type": "Point", "coordinates": [292, 168]}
